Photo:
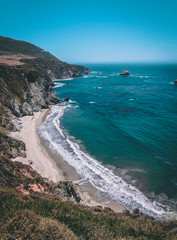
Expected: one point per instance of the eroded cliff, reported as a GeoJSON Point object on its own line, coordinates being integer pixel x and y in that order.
{"type": "Point", "coordinates": [26, 74]}
{"type": "Point", "coordinates": [31, 207]}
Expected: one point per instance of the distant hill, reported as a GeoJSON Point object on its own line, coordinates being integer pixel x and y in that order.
{"type": "Point", "coordinates": [9, 45]}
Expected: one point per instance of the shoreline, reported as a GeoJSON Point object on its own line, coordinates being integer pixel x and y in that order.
{"type": "Point", "coordinates": [36, 156]}
{"type": "Point", "coordinates": [52, 166]}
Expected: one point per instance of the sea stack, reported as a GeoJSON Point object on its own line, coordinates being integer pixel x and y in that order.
{"type": "Point", "coordinates": [124, 73]}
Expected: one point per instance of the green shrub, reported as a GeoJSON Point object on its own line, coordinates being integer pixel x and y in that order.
{"type": "Point", "coordinates": [27, 225]}
{"type": "Point", "coordinates": [84, 222]}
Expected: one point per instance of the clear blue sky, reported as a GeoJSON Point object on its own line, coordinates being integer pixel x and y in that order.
{"type": "Point", "coordinates": [95, 30]}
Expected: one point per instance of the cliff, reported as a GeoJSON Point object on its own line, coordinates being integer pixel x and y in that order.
{"type": "Point", "coordinates": [26, 74]}
{"type": "Point", "coordinates": [32, 207]}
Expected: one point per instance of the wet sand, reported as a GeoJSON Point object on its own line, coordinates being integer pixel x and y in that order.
{"type": "Point", "coordinates": [52, 166]}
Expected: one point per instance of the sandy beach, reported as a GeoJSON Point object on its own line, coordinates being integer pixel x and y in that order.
{"type": "Point", "coordinates": [52, 166]}
{"type": "Point", "coordinates": [36, 155]}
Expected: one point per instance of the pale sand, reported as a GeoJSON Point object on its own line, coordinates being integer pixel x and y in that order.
{"type": "Point", "coordinates": [51, 165]}
{"type": "Point", "coordinates": [41, 161]}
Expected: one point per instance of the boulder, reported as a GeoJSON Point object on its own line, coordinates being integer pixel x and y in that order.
{"type": "Point", "coordinates": [66, 99]}
{"type": "Point", "coordinates": [175, 82]}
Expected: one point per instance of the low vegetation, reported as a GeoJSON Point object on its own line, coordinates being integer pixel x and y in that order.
{"type": "Point", "coordinates": [32, 207]}
{"type": "Point", "coordinates": [27, 225]}
{"type": "Point", "coordinates": [36, 214]}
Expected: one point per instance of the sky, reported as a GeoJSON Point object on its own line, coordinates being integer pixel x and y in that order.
{"type": "Point", "coordinates": [81, 31]}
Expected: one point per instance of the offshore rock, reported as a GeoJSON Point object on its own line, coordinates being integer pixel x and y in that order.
{"type": "Point", "coordinates": [175, 82]}
{"type": "Point", "coordinates": [66, 99]}
{"type": "Point", "coordinates": [124, 73]}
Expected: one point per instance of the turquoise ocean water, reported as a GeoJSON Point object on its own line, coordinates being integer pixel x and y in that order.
{"type": "Point", "coordinates": [120, 133]}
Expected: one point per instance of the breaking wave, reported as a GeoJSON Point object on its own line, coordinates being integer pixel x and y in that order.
{"type": "Point", "coordinates": [91, 170]}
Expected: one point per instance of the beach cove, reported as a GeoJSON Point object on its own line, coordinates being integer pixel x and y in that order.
{"type": "Point", "coordinates": [119, 133]}
{"type": "Point", "coordinates": [50, 165]}
{"type": "Point", "coordinates": [71, 137]}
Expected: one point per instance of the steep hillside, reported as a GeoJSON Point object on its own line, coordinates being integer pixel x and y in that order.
{"type": "Point", "coordinates": [32, 207]}
{"type": "Point", "coordinates": [26, 74]}
{"type": "Point", "coordinates": [12, 46]}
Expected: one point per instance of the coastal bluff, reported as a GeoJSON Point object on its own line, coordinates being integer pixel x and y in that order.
{"type": "Point", "coordinates": [34, 207]}
{"type": "Point", "coordinates": [26, 74]}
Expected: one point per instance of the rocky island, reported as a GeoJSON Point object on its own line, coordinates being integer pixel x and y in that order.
{"type": "Point", "coordinates": [125, 73]}
{"type": "Point", "coordinates": [34, 205]}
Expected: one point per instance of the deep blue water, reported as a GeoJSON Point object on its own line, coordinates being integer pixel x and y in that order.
{"type": "Point", "coordinates": [128, 124]}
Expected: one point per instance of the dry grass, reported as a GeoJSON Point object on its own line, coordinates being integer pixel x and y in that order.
{"type": "Point", "coordinates": [27, 225]}
{"type": "Point", "coordinates": [43, 217]}
{"type": "Point", "coordinates": [14, 59]}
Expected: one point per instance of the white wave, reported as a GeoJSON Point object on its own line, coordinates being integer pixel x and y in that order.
{"type": "Point", "coordinates": [58, 85]}
{"type": "Point", "coordinates": [64, 79]}
{"type": "Point", "coordinates": [96, 72]}
{"type": "Point", "coordinates": [137, 170]}
{"type": "Point", "coordinates": [72, 101]}
{"type": "Point", "coordinates": [92, 170]}
{"type": "Point", "coordinates": [91, 102]}
{"type": "Point", "coordinates": [144, 76]}
{"type": "Point", "coordinates": [131, 99]}
{"type": "Point", "coordinates": [102, 76]}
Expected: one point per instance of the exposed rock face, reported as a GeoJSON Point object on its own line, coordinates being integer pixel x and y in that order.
{"type": "Point", "coordinates": [24, 93]}
{"type": "Point", "coordinates": [26, 180]}
{"type": "Point", "coordinates": [28, 87]}
{"type": "Point", "coordinates": [11, 147]}
{"type": "Point", "coordinates": [67, 190]}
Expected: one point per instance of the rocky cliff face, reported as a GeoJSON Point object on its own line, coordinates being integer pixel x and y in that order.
{"type": "Point", "coordinates": [24, 91]}
{"type": "Point", "coordinates": [26, 74]}
{"type": "Point", "coordinates": [11, 147]}
{"type": "Point", "coordinates": [24, 178]}
{"type": "Point", "coordinates": [26, 86]}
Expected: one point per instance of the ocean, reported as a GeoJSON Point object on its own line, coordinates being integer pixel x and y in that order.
{"type": "Point", "coordinates": [120, 133]}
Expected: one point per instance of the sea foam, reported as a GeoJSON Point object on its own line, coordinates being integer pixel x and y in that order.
{"type": "Point", "coordinates": [91, 170]}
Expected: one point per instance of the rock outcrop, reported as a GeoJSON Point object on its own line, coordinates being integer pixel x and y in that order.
{"type": "Point", "coordinates": [26, 86]}
{"type": "Point", "coordinates": [26, 74]}
{"type": "Point", "coordinates": [66, 190]}
{"type": "Point", "coordinates": [25, 179]}
{"type": "Point", "coordinates": [11, 147]}
{"type": "Point", "coordinates": [125, 73]}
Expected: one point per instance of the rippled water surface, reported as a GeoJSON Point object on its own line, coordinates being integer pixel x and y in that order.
{"type": "Point", "coordinates": [120, 133]}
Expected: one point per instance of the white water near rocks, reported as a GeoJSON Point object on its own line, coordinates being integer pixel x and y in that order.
{"type": "Point", "coordinates": [91, 170]}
